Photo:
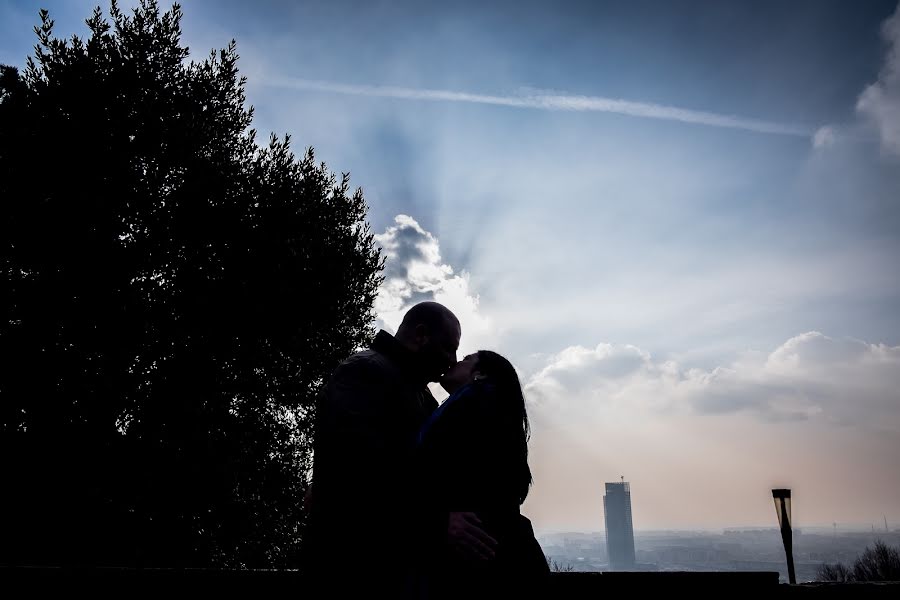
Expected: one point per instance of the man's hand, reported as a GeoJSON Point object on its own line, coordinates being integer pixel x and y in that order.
{"type": "Point", "coordinates": [466, 538]}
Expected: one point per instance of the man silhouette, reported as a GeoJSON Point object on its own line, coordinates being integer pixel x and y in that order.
{"type": "Point", "coordinates": [365, 522]}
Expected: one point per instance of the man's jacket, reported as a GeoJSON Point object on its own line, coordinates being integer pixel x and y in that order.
{"type": "Point", "coordinates": [364, 486]}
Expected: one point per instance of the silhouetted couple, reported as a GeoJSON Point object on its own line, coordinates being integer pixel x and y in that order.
{"type": "Point", "coordinates": [411, 499]}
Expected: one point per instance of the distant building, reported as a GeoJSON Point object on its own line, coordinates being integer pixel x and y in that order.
{"type": "Point", "coordinates": [619, 529]}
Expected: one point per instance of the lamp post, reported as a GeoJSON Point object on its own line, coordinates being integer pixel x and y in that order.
{"type": "Point", "coordinates": [782, 498]}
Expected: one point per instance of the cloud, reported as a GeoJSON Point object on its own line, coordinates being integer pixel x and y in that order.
{"type": "Point", "coordinates": [810, 376]}
{"type": "Point", "coordinates": [414, 272]}
{"type": "Point", "coordinates": [549, 101]}
{"type": "Point", "coordinates": [823, 137]}
{"type": "Point", "coordinates": [817, 414]}
{"type": "Point", "coordinates": [880, 102]}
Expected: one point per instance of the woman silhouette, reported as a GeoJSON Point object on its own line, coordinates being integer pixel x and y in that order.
{"type": "Point", "coordinates": [473, 453]}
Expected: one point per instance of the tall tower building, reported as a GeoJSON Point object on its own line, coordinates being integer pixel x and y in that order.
{"type": "Point", "coordinates": [619, 529]}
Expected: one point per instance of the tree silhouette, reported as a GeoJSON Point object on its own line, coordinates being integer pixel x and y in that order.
{"type": "Point", "coordinates": [172, 297]}
{"type": "Point", "coordinates": [880, 563]}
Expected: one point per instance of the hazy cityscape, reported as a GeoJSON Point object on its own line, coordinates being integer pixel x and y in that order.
{"type": "Point", "coordinates": [737, 549]}
{"type": "Point", "coordinates": [621, 548]}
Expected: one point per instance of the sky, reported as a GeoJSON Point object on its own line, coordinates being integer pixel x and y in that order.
{"type": "Point", "coordinates": [679, 220]}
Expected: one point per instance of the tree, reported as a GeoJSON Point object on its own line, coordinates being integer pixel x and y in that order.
{"type": "Point", "coordinates": [837, 572]}
{"type": "Point", "coordinates": [173, 297]}
{"type": "Point", "coordinates": [556, 567]}
{"type": "Point", "coordinates": [881, 563]}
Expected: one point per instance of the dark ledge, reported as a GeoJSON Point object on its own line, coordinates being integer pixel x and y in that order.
{"type": "Point", "coordinates": [258, 583]}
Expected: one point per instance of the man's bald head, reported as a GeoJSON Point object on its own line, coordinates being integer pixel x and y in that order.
{"type": "Point", "coordinates": [432, 315]}
{"type": "Point", "coordinates": [432, 332]}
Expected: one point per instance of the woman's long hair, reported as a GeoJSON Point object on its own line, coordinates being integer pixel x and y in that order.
{"type": "Point", "coordinates": [500, 372]}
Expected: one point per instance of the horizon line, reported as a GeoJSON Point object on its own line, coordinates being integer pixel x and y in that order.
{"type": "Point", "coordinates": [846, 528]}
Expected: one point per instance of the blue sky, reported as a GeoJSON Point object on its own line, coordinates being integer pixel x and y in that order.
{"type": "Point", "coordinates": [715, 295]}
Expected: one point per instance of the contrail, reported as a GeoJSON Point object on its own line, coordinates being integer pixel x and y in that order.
{"type": "Point", "coordinates": [551, 102]}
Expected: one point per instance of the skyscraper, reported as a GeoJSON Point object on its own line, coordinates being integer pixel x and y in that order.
{"type": "Point", "coordinates": [619, 529]}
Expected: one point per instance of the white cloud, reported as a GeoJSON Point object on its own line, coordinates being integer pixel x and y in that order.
{"type": "Point", "coordinates": [414, 272]}
{"type": "Point", "coordinates": [817, 414]}
{"type": "Point", "coordinates": [880, 102]}
{"type": "Point", "coordinates": [810, 376]}
{"type": "Point", "coordinates": [823, 137]}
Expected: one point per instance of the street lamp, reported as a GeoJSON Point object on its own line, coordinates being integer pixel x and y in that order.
{"type": "Point", "coordinates": [782, 499]}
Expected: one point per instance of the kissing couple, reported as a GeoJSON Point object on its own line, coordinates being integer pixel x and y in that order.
{"type": "Point", "coordinates": [411, 499]}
